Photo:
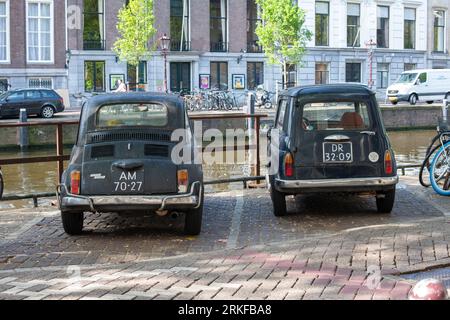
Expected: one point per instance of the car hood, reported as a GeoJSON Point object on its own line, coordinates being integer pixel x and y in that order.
{"type": "Point", "coordinates": [400, 87]}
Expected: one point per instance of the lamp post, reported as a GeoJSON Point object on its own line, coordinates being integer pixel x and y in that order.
{"type": "Point", "coordinates": [165, 43]}
{"type": "Point", "coordinates": [370, 45]}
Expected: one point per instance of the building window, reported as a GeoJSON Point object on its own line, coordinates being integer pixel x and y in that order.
{"type": "Point", "coordinates": [94, 26]}
{"type": "Point", "coordinates": [439, 31]}
{"type": "Point", "coordinates": [383, 27]}
{"type": "Point", "coordinates": [382, 75]}
{"type": "Point", "coordinates": [322, 23]}
{"type": "Point", "coordinates": [133, 84]}
{"type": "Point", "coordinates": [410, 28]}
{"type": "Point", "coordinates": [255, 74]}
{"type": "Point", "coordinates": [353, 72]}
{"type": "Point", "coordinates": [218, 25]}
{"type": "Point", "coordinates": [322, 73]}
{"type": "Point", "coordinates": [179, 25]}
{"type": "Point", "coordinates": [253, 18]}
{"type": "Point", "coordinates": [180, 76]}
{"type": "Point", "coordinates": [94, 76]}
{"type": "Point", "coordinates": [409, 66]}
{"type": "Point", "coordinates": [353, 13]}
{"type": "Point", "coordinates": [4, 31]}
{"type": "Point", "coordinates": [40, 31]}
{"type": "Point", "coordinates": [40, 83]}
{"type": "Point", "coordinates": [219, 75]}
{"type": "Point", "coordinates": [291, 70]}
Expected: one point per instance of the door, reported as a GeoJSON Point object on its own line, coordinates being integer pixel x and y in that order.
{"type": "Point", "coordinates": [180, 76]}
{"type": "Point", "coordinates": [421, 86]}
{"type": "Point", "coordinates": [13, 103]}
{"type": "Point", "coordinates": [33, 101]}
{"type": "Point", "coordinates": [339, 140]}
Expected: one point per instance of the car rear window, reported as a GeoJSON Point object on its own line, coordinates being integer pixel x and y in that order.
{"type": "Point", "coordinates": [49, 94]}
{"type": "Point", "coordinates": [335, 116]}
{"type": "Point", "coordinates": [132, 115]}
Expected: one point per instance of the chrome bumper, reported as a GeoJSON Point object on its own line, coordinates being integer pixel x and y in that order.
{"type": "Point", "coordinates": [335, 183]}
{"type": "Point", "coordinates": [160, 202]}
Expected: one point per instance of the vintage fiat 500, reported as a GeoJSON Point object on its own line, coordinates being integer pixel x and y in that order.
{"type": "Point", "coordinates": [330, 138]}
{"type": "Point", "coordinates": [122, 161]}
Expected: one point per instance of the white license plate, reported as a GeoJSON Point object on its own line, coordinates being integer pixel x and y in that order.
{"type": "Point", "coordinates": [337, 152]}
{"type": "Point", "coordinates": [127, 182]}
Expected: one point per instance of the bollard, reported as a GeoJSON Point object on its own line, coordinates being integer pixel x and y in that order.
{"type": "Point", "coordinates": [251, 132]}
{"type": "Point", "coordinates": [23, 131]}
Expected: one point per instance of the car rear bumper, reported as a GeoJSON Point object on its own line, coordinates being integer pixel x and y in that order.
{"type": "Point", "coordinates": [338, 185]}
{"type": "Point", "coordinates": [191, 200]}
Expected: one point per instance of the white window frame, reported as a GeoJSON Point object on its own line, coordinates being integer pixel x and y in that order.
{"type": "Point", "coordinates": [52, 32]}
{"type": "Point", "coordinates": [445, 12]}
{"type": "Point", "coordinates": [8, 32]}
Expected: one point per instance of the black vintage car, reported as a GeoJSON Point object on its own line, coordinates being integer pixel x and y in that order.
{"type": "Point", "coordinates": [42, 102]}
{"type": "Point", "coordinates": [122, 161]}
{"type": "Point", "coordinates": [330, 138]}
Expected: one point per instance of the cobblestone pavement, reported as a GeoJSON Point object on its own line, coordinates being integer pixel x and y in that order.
{"type": "Point", "coordinates": [326, 248]}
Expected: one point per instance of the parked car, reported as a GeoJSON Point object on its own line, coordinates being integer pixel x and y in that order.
{"type": "Point", "coordinates": [420, 85]}
{"type": "Point", "coordinates": [122, 162]}
{"type": "Point", "coordinates": [331, 139]}
{"type": "Point", "coordinates": [42, 102]}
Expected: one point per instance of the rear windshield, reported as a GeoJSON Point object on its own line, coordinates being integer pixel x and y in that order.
{"type": "Point", "coordinates": [132, 115]}
{"type": "Point", "coordinates": [335, 116]}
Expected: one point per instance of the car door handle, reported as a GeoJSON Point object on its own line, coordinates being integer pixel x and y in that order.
{"type": "Point", "coordinates": [128, 165]}
{"type": "Point", "coordinates": [370, 133]}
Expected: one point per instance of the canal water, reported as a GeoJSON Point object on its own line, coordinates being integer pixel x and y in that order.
{"type": "Point", "coordinates": [409, 146]}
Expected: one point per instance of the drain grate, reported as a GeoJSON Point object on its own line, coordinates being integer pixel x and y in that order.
{"type": "Point", "coordinates": [442, 274]}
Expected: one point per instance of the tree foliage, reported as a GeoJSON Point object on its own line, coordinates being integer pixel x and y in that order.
{"type": "Point", "coordinates": [136, 28]}
{"type": "Point", "coordinates": [282, 33]}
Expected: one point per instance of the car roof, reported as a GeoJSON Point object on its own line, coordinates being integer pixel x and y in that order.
{"type": "Point", "coordinates": [426, 70]}
{"type": "Point", "coordinates": [338, 88]}
{"type": "Point", "coordinates": [133, 97]}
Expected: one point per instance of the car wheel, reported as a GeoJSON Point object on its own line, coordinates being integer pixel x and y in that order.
{"type": "Point", "coordinates": [413, 99]}
{"type": "Point", "coordinates": [47, 112]}
{"type": "Point", "coordinates": [72, 222]}
{"type": "Point", "coordinates": [385, 201]}
{"type": "Point", "coordinates": [278, 201]}
{"type": "Point", "coordinates": [430, 102]}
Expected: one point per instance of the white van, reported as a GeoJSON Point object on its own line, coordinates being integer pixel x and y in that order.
{"type": "Point", "coordinates": [420, 85]}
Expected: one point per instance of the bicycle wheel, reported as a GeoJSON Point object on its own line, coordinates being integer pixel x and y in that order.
{"type": "Point", "coordinates": [424, 173]}
{"type": "Point", "coordinates": [1, 185]}
{"type": "Point", "coordinates": [439, 171]}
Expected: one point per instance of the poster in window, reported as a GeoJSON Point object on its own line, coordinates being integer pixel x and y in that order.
{"type": "Point", "coordinates": [205, 81]}
{"type": "Point", "coordinates": [238, 81]}
{"type": "Point", "coordinates": [114, 80]}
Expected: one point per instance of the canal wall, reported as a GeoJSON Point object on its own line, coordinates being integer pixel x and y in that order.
{"type": "Point", "coordinates": [400, 117]}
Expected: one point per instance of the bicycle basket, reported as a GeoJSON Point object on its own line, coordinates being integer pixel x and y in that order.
{"type": "Point", "coordinates": [443, 125]}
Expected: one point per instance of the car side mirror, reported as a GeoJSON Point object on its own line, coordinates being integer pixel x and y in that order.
{"type": "Point", "coordinates": [417, 82]}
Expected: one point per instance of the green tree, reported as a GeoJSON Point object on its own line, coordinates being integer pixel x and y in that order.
{"type": "Point", "coordinates": [282, 33]}
{"type": "Point", "coordinates": [136, 28]}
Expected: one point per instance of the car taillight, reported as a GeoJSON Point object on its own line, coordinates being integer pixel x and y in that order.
{"type": "Point", "coordinates": [288, 165]}
{"type": "Point", "coordinates": [75, 177]}
{"type": "Point", "coordinates": [388, 165]}
{"type": "Point", "coordinates": [183, 179]}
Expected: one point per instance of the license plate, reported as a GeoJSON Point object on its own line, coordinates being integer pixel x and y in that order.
{"type": "Point", "coordinates": [393, 98]}
{"type": "Point", "coordinates": [334, 152]}
{"type": "Point", "coordinates": [127, 182]}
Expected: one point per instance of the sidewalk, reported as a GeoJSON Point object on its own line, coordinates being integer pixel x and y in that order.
{"type": "Point", "coordinates": [313, 255]}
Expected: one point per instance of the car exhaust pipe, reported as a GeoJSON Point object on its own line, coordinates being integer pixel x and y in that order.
{"type": "Point", "coordinates": [162, 213]}
{"type": "Point", "coordinates": [174, 215]}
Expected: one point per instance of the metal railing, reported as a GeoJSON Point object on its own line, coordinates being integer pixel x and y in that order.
{"type": "Point", "coordinates": [219, 47]}
{"type": "Point", "coordinates": [94, 45]}
{"type": "Point", "coordinates": [180, 46]}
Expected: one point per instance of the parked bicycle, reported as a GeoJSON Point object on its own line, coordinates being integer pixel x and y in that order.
{"type": "Point", "coordinates": [435, 169]}
{"type": "Point", "coordinates": [263, 98]}
{"type": "Point", "coordinates": [210, 100]}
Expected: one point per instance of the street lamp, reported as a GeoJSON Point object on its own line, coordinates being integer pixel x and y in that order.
{"type": "Point", "coordinates": [165, 43]}
{"type": "Point", "coordinates": [370, 46]}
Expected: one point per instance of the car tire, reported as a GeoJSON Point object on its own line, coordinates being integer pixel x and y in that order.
{"type": "Point", "coordinates": [430, 102]}
{"type": "Point", "coordinates": [413, 99]}
{"type": "Point", "coordinates": [278, 200]}
{"type": "Point", "coordinates": [47, 112]}
{"type": "Point", "coordinates": [386, 203]}
{"type": "Point", "coordinates": [193, 221]}
{"type": "Point", "coordinates": [72, 222]}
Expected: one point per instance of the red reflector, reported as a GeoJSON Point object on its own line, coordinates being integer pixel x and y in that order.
{"type": "Point", "coordinates": [75, 182]}
{"type": "Point", "coordinates": [288, 165]}
{"type": "Point", "coordinates": [388, 167]}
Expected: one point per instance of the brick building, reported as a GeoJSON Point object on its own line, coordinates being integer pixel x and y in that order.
{"type": "Point", "coordinates": [213, 44]}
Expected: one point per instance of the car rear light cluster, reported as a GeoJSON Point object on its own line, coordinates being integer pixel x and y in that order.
{"type": "Point", "coordinates": [75, 177]}
{"type": "Point", "coordinates": [288, 165]}
{"type": "Point", "coordinates": [388, 164]}
{"type": "Point", "coordinates": [183, 180]}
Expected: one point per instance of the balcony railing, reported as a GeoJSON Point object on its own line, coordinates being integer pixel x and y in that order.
{"type": "Point", "coordinates": [219, 47]}
{"type": "Point", "coordinates": [94, 44]}
{"type": "Point", "coordinates": [180, 45]}
{"type": "Point", "coordinates": [254, 47]}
